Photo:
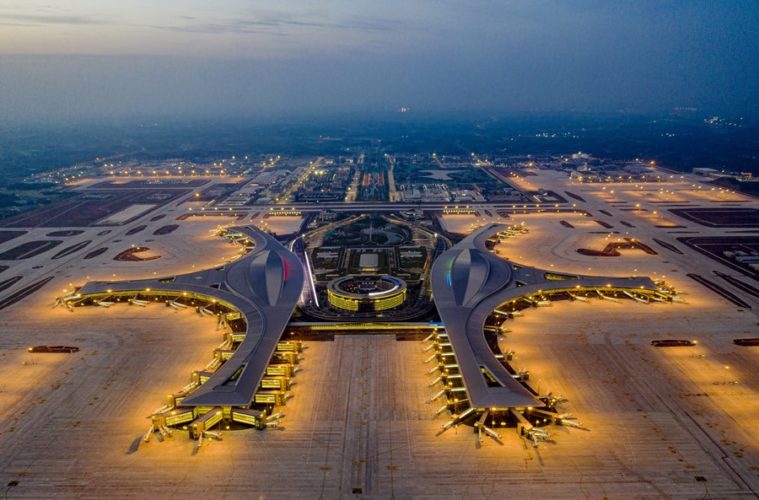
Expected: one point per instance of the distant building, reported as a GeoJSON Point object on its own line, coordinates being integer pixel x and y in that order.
{"type": "Point", "coordinates": [580, 156]}
{"type": "Point", "coordinates": [638, 168]}
{"type": "Point", "coordinates": [327, 216]}
{"type": "Point", "coordinates": [707, 172]}
{"type": "Point", "coordinates": [368, 262]}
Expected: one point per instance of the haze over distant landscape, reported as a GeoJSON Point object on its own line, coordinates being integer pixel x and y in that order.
{"type": "Point", "coordinates": [85, 60]}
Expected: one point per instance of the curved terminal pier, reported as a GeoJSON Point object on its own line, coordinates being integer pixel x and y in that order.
{"type": "Point", "coordinates": [252, 299]}
{"type": "Point", "coordinates": [472, 287]}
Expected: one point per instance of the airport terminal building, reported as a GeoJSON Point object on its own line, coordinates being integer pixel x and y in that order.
{"type": "Point", "coordinates": [367, 292]}
{"type": "Point", "coordinates": [475, 292]}
{"type": "Point", "coordinates": [253, 299]}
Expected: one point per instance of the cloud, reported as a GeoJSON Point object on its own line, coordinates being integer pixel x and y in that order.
{"type": "Point", "coordinates": [39, 19]}
{"type": "Point", "coordinates": [234, 27]}
{"type": "Point", "coordinates": [273, 25]}
{"type": "Point", "coordinates": [280, 25]}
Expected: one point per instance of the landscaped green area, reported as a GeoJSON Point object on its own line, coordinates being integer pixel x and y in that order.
{"type": "Point", "coordinates": [367, 231]}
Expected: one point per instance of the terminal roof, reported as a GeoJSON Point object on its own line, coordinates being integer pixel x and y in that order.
{"type": "Point", "coordinates": [468, 283]}
{"type": "Point", "coordinates": [264, 286]}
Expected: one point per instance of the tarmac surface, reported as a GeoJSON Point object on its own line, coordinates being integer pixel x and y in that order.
{"type": "Point", "coordinates": [676, 422]}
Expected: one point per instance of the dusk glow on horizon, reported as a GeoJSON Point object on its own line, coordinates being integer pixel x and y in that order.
{"type": "Point", "coordinates": [90, 58]}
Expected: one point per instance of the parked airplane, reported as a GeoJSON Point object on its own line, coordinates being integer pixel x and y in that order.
{"type": "Point", "coordinates": [606, 297]}
{"type": "Point", "coordinates": [578, 297]}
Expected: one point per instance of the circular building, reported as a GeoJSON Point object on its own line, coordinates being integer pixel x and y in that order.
{"type": "Point", "coordinates": [366, 292]}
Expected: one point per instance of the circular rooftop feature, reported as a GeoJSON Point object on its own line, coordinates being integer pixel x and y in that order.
{"type": "Point", "coordinates": [366, 292]}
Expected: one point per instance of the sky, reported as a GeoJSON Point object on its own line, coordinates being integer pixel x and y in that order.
{"type": "Point", "coordinates": [104, 59]}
